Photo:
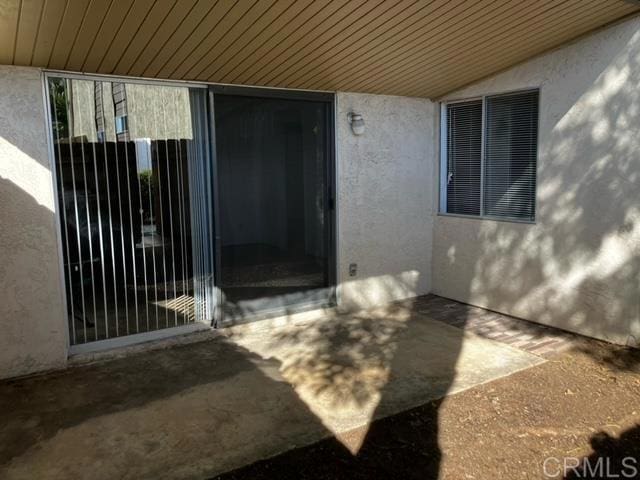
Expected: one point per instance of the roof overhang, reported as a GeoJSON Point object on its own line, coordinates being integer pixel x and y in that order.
{"type": "Point", "coordinates": [413, 48]}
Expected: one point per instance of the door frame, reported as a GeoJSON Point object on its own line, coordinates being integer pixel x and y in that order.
{"type": "Point", "coordinates": [331, 211]}
{"type": "Point", "coordinates": [329, 99]}
{"type": "Point", "coordinates": [123, 340]}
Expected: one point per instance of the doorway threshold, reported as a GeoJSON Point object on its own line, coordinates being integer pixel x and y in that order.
{"type": "Point", "coordinates": [77, 352]}
{"type": "Point", "coordinates": [278, 315]}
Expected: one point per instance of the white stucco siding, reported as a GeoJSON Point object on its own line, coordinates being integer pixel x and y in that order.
{"type": "Point", "coordinates": [32, 325]}
{"type": "Point", "coordinates": [385, 198]}
{"type": "Point", "coordinates": [578, 267]}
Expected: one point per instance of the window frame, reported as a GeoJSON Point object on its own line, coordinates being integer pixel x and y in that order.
{"type": "Point", "coordinates": [121, 124]}
{"type": "Point", "coordinates": [443, 163]}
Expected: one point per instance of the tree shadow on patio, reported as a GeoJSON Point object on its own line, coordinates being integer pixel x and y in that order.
{"type": "Point", "coordinates": [186, 410]}
{"type": "Point", "coordinates": [357, 372]}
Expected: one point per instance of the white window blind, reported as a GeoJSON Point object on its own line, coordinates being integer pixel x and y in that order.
{"type": "Point", "coordinates": [494, 177]}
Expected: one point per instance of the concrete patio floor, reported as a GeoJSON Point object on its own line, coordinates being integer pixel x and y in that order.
{"type": "Point", "coordinates": [251, 392]}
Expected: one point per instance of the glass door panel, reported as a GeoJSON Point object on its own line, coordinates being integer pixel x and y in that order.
{"type": "Point", "coordinates": [128, 162]}
{"type": "Point", "coordinates": [273, 178]}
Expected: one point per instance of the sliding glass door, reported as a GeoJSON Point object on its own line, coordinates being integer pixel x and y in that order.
{"type": "Point", "coordinates": [164, 224]}
{"type": "Point", "coordinates": [274, 201]}
{"type": "Point", "coordinates": [132, 168]}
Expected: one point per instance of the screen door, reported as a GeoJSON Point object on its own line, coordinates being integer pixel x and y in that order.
{"type": "Point", "coordinates": [274, 201]}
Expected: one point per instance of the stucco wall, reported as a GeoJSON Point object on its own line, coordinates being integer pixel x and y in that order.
{"type": "Point", "coordinates": [385, 198]}
{"type": "Point", "coordinates": [32, 325]}
{"type": "Point", "coordinates": [578, 267]}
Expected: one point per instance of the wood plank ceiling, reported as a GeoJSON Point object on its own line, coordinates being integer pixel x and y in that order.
{"type": "Point", "coordinates": [400, 47]}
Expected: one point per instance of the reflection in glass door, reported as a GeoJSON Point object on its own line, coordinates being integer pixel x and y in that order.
{"type": "Point", "coordinates": [274, 207]}
{"type": "Point", "coordinates": [131, 167]}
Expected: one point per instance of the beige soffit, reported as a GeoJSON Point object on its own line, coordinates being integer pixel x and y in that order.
{"type": "Point", "coordinates": [415, 48]}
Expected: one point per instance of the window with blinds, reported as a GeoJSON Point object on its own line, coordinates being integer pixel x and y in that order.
{"type": "Point", "coordinates": [464, 139]}
{"type": "Point", "coordinates": [491, 173]}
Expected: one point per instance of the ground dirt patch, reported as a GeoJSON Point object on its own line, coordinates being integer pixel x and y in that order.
{"type": "Point", "coordinates": [584, 403]}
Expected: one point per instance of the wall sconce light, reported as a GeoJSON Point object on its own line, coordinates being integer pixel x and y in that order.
{"type": "Point", "coordinates": [357, 123]}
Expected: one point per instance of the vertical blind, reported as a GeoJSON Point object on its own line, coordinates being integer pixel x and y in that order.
{"type": "Point", "coordinates": [498, 180]}
{"type": "Point", "coordinates": [201, 210]}
{"type": "Point", "coordinates": [134, 206]}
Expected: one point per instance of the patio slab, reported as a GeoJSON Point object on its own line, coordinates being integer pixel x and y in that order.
{"type": "Point", "coordinates": [254, 391]}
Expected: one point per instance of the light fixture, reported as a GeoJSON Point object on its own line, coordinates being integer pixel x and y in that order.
{"type": "Point", "coordinates": [357, 123]}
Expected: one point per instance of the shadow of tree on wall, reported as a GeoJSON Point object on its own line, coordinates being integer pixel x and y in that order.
{"type": "Point", "coordinates": [578, 266]}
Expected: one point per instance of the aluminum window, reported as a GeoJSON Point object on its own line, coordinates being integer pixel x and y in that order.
{"type": "Point", "coordinates": [489, 156]}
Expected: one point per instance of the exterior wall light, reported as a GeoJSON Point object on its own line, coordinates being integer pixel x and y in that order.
{"type": "Point", "coordinates": [357, 123]}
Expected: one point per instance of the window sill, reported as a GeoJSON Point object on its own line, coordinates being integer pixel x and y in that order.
{"type": "Point", "coordinates": [485, 217]}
